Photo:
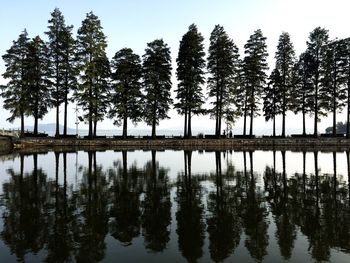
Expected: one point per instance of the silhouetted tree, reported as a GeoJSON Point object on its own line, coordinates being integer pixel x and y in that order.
{"type": "Point", "coordinates": [316, 46]}
{"type": "Point", "coordinates": [16, 91]}
{"type": "Point", "coordinates": [272, 98]}
{"type": "Point", "coordinates": [332, 79]}
{"type": "Point", "coordinates": [38, 79]}
{"type": "Point", "coordinates": [284, 64]}
{"type": "Point", "coordinates": [157, 83]}
{"type": "Point", "coordinates": [126, 97]}
{"type": "Point", "coordinates": [91, 45]}
{"type": "Point", "coordinates": [61, 45]}
{"type": "Point", "coordinates": [223, 68]}
{"type": "Point", "coordinates": [190, 73]}
{"type": "Point", "coordinates": [302, 87]}
{"type": "Point", "coordinates": [254, 67]}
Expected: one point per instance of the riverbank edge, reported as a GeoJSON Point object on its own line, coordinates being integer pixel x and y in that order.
{"type": "Point", "coordinates": [297, 144]}
{"type": "Point", "coordinates": [5, 144]}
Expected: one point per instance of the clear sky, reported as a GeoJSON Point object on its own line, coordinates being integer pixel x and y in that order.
{"type": "Point", "coordinates": [134, 23]}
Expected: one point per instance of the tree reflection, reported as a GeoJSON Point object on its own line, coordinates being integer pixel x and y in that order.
{"type": "Point", "coordinates": [224, 224]}
{"type": "Point", "coordinates": [93, 204]}
{"type": "Point", "coordinates": [254, 214]}
{"type": "Point", "coordinates": [189, 216]}
{"type": "Point", "coordinates": [156, 206]}
{"type": "Point", "coordinates": [25, 218]}
{"type": "Point", "coordinates": [125, 212]}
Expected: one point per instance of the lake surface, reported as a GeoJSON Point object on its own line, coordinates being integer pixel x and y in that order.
{"type": "Point", "coordinates": [175, 206]}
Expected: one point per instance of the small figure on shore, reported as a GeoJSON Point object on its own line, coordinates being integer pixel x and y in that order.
{"type": "Point", "coordinates": [230, 134]}
{"type": "Point", "coordinates": [224, 133]}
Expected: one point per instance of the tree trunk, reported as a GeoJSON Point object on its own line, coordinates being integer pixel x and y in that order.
{"type": "Point", "coordinates": [284, 122]}
{"type": "Point", "coordinates": [90, 111]}
{"type": "Point", "coordinates": [154, 127]}
{"type": "Point", "coordinates": [95, 128]}
{"type": "Point", "coordinates": [57, 134]}
{"type": "Point", "coordinates": [334, 107]}
{"type": "Point", "coordinates": [35, 125]}
{"type": "Point", "coordinates": [185, 124]}
{"type": "Point", "coordinates": [251, 115]}
{"type": "Point", "coordinates": [65, 114]}
{"type": "Point", "coordinates": [189, 126]}
{"type": "Point", "coordinates": [304, 128]}
{"type": "Point", "coordinates": [125, 126]}
{"type": "Point", "coordinates": [245, 115]}
{"type": "Point", "coordinates": [251, 121]}
{"type": "Point", "coordinates": [22, 123]}
{"type": "Point", "coordinates": [274, 127]}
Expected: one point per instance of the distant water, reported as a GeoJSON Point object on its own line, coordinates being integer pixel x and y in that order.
{"type": "Point", "coordinates": [175, 206]}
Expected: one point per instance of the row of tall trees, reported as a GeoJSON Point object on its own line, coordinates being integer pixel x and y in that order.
{"type": "Point", "coordinates": [43, 75]}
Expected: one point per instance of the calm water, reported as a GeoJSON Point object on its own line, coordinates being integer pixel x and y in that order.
{"type": "Point", "coordinates": [175, 206]}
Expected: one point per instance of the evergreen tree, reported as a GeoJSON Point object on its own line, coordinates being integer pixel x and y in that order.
{"type": "Point", "coordinates": [190, 73]}
{"type": "Point", "coordinates": [254, 67]}
{"type": "Point", "coordinates": [302, 87]}
{"type": "Point", "coordinates": [91, 45]}
{"type": "Point", "coordinates": [273, 98]}
{"type": "Point", "coordinates": [157, 82]}
{"type": "Point", "coordinates": [346, 46]}
{"type": "Point", "coordinates": [223, 68]}
{"type": "Point", "coordinates": [70, 71]}
{"type": "Point", "coordinates": [38, 80]}
{"type": "Point", "coordinates": [61, 51]}
{"type": "Point", "coordinates": [126, 98]}
{"type": "Point", "coordinates": [284, 64]}
{"type": "Point", "coordinates": [16, 92]}
{"type": "Point", "coordinates": [332, 79]}
{"type": "Point", "coordinates": [316, 47]}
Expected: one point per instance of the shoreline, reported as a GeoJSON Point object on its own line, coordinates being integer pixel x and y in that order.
{"type": "Point", "coordinates": [289, 143]}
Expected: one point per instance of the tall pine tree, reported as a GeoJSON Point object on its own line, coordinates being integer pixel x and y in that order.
{"type": "Point", "coordinates": [284, 64]}
{"type": "Point", "coordinates": [273, 98]}
{"type": "Point", "coordinates": [346, 48]}
{"type": "Point", "coordinates": [91, 45]}
{"type": "Point", "coordinates": [16, 92]}
{"type": "Point", "coordinates": [316, 47]}
{"type": "Point", "coordinates": [126, 96]}
{"type": "Point", "coordinates": [157, 83]}
{"type": "Point", "coordinates": [38, 80]}
{"type": "Point", "coordinates": [333, 80]}
{"type": "Point", "coordinates": [302, 87]}
{"type": "Point", "coordinates": [254, 67]}
{"type": "Point", "coordinates": [61, 53]}
{"type": "Point", "coordinates": [223, 68]}
{"type": "Point", "coordinates": [190, 74]}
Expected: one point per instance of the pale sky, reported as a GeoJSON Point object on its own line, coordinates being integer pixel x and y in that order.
{"type": "Point", "coordinates": [134, 23]}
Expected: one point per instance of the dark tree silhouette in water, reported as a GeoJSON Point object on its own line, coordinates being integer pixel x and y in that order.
{"type": "Point", "coordinates": [223, 223]}
{"type": "Point", "coordinates": [157, 83]}
{"type": "Point", "coordinates": [156, 206]}
{"type": "Point", "coordinates": [126, 205]}
{"type": "Point", "coordinates": [93, 199]}
{"type": "Point", "coordinates": [16, 91]}
{"type": "Point", "coordinates": [126, 97]}
{"type": "Point", "coordinates": [91, 45]}
{"type": "Point", "coordinates": [190, 73]}
{"type": "Point", "coordinates": [190, 213]}
{"type": "Point", "coordinates": [316, 46]}
{"type": "Point", "coordinates": [284, 64]}
{"type": "Point", "coordinates": [39, 83]}
{"type": "Point", "coordinates": [254, 67]}
{"type": "Point", "coordinates": [223, 68]}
